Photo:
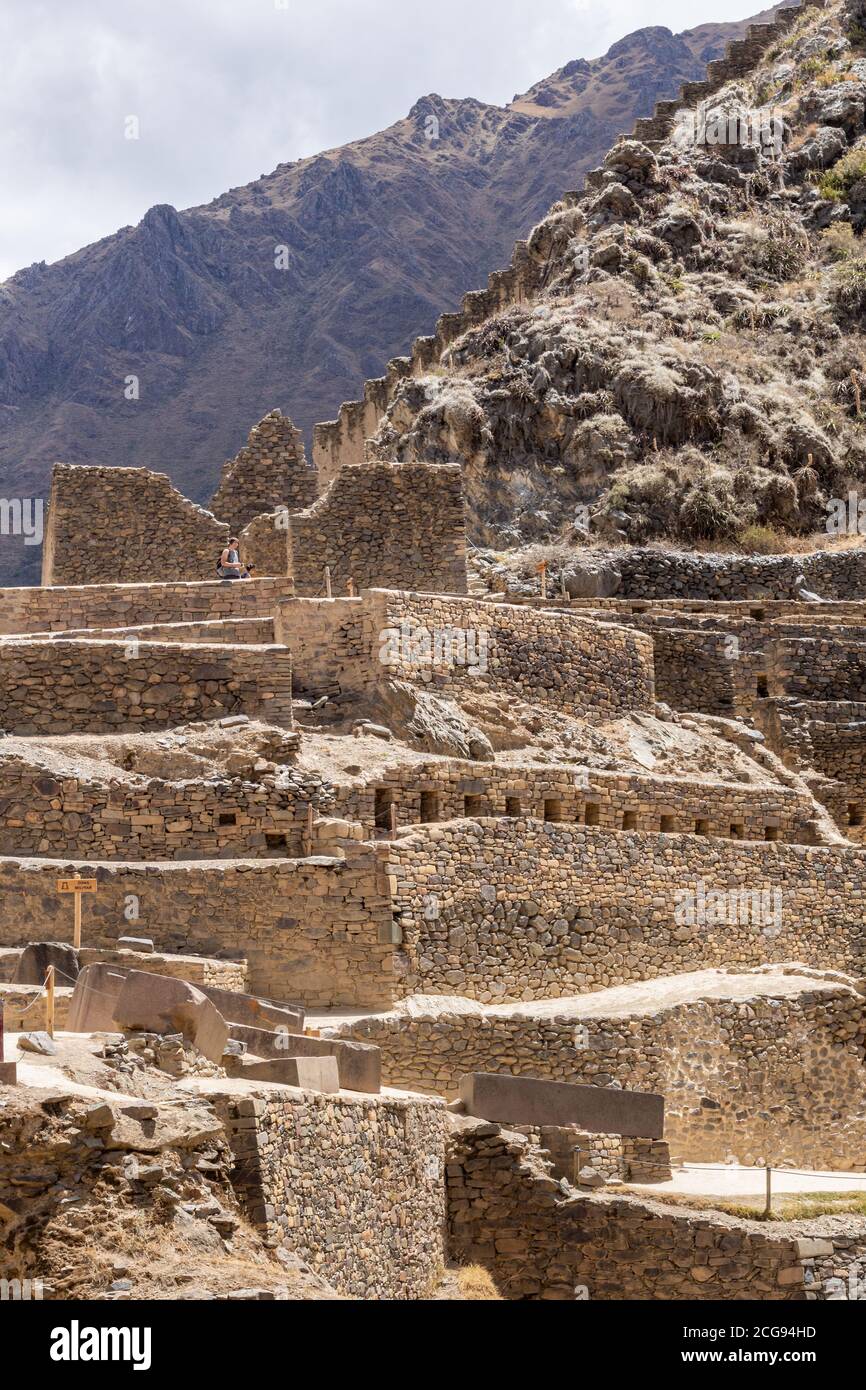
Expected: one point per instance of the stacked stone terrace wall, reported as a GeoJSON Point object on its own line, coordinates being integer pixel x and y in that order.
{"type": "Point", "coordinates": [510, 910]}
{"type": "Point", "coordinates": [270, 471]}
{"type": "Point", "coordinates": [350, 646]}
{"type": "Point", "coordinates": [648, 573]}
{"type": "Point", "coordinates": [73, 685]}
{"type": "Point", "coordinates": [816, 669]}
{"type": "Point", "coordinates": [315, 931]}
{"type": "Point", "coordinates": [234, 631]}
{"type": "Point", "coordinates": [448, 790]}
{"type": "Point", "coordinates": [595, 670]}
{"type": "Point", "coordinates": [772, 1078]}
{"type": "Point", "coordinates": [94, 606]}
{"type": "Point", "coordinates": [540, 1242]}
{"type": "Point", "coordinates": [355, 1185]}
{"type": "Point", "coordinates": [569, 1150]}
{"type": "Point", "coordinates": [823, 740]}
{"type": "Point", "coordinates": [380, 524]}
{"type": "Point", "coordinates": [125, 526]}
{"type": "Point", "coordinates": [42, 813]}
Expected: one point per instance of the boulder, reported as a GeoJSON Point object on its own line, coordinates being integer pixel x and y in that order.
{"type": "Point", "coordinates": [359, 1065]}
{"type": "Point", "coordinates": [310, 1073]}
{"type": "Point", "coordinates": [592, 578]}
{"type": "Point", "coordinates": [97, 989]}
{"type": "Point", "coordinates": [161, 1004]}
{"type": "Point", "coordinates": [529, 1100]}
{"type": "Point", "coordinates": [255, 1011]}
{"type": "Point", "coordinates": [35, 959]}
{"type": "Point", "coordinates": [38, 1042]}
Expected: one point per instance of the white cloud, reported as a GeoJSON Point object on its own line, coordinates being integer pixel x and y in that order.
{"type": "Point", "coordinates": [226, 89]}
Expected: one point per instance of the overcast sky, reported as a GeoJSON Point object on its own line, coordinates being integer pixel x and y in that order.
{"type": "Point", "coordinates": [223, 90]}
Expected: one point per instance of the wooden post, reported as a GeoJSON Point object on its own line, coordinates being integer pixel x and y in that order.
{"type": "Point", "coordinates": [542, 570]}
{"type": "Point", "coordinates": [1, 1033]}
{"type": "Point", "coordinates": [350, 588]}
{"type": "Point", "coordinates": [392, 816]}
{"type": "Point", "coordinates": [768, 1209]}
{"type": "Point", "coordinates": [327, 581]}
{"type": "Point", "coordinates": [308, 833]}
{"type": "Point", "coordinates": [76, 886]}
{"type": "Point", "coordinates": [855, 382]}
{"type": "Point", "coordinates": [49, 990]}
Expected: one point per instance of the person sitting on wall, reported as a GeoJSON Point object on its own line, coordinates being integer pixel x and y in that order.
{"type": "Point", "coordinates": [229, 565]}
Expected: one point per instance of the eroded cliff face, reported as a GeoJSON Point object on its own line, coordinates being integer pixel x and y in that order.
{"type": "Point", "coordinates": [690, 364]}
{"type": "Point", "coordinates": [379, 237]}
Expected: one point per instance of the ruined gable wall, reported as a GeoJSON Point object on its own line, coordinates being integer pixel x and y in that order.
{"type": "Point", "coordinates": [356, 1186]}
{"type": "Point", "coordinates": [125, 526]}
{"type": "Point", "coordinates": [89, 606]}
{"type": "Point", "coordinates": [314, 931]}
{"type": "Point", "coordinates": [510, 910]}
{"type": "Point", "coordinates": [270, 471]}
{"type": "Point", "coordinates": [388, 525]}
{"type": "Point", "coordinates": [72, 685]}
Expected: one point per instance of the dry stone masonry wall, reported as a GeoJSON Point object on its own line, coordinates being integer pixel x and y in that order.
{"type": "Point", "coordinates": [510, 910]}
{"type": "Point", "coordinates": [93, 605]}
{"type": "Point", "coordinates": [270, 471]}
{"type": "Point", "coordinates": [775, 1078]}
{"type": "Point", "coordinates": [398, 526]}
{"type": "Point", "coordinates": [506, 1212]}
{"type": "Point", "coordinates": [317, 931]}
{"type": "Point", "coordinates": [354, 1185]}
{"type": "Point", "coordinates": [67, 685]}
{"type": "Point", "coordinates": [125, 526]}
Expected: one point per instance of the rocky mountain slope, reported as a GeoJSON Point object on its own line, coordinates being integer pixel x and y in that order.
{"type": "Point", "coordinates": [380, 237]}
{"type": "Point", "coordinates": [689, 365]}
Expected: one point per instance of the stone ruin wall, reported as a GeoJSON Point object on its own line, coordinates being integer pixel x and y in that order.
{"type": "Point", "coordinates": [776, 1079]}
{"type": "Point", "coordinates": [508, 1214]}
{"type": "Point", "coordinates": [313, 931]}
{"type": "Point", "coordinates": [658, 574]}
{"type": "Point", "coordinates": [125, 526]}
{"type": "Point", "coordinates": [65, 685]}
{"type": "Point", "coordinates": [827, 738]}
{"type": "Point", "coordinates": [355, 1185]}
{"type": "Point", "coordinates": [330, 647]}
{"type": "Point", "coordinates": [511, 910]}
{"type": "Point", "coordinates": [270, 471]}
{"type": "Point", "coordinates": [399, 526]}
{"type": "Point", "coordinates": [45, 813]}
{"type": "Point", "coordinates": [257, 632]}
{"type": "Point", "coordinates": [569, 1150]}
{"type": "Point", "coordinates": [449, 790]}
{"type": "Point", "coordinates": [596, 670]}
{"type": "Point", "coordinates": [264, 544]}
{"type": "Point", "coordinates": [92, 606]}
